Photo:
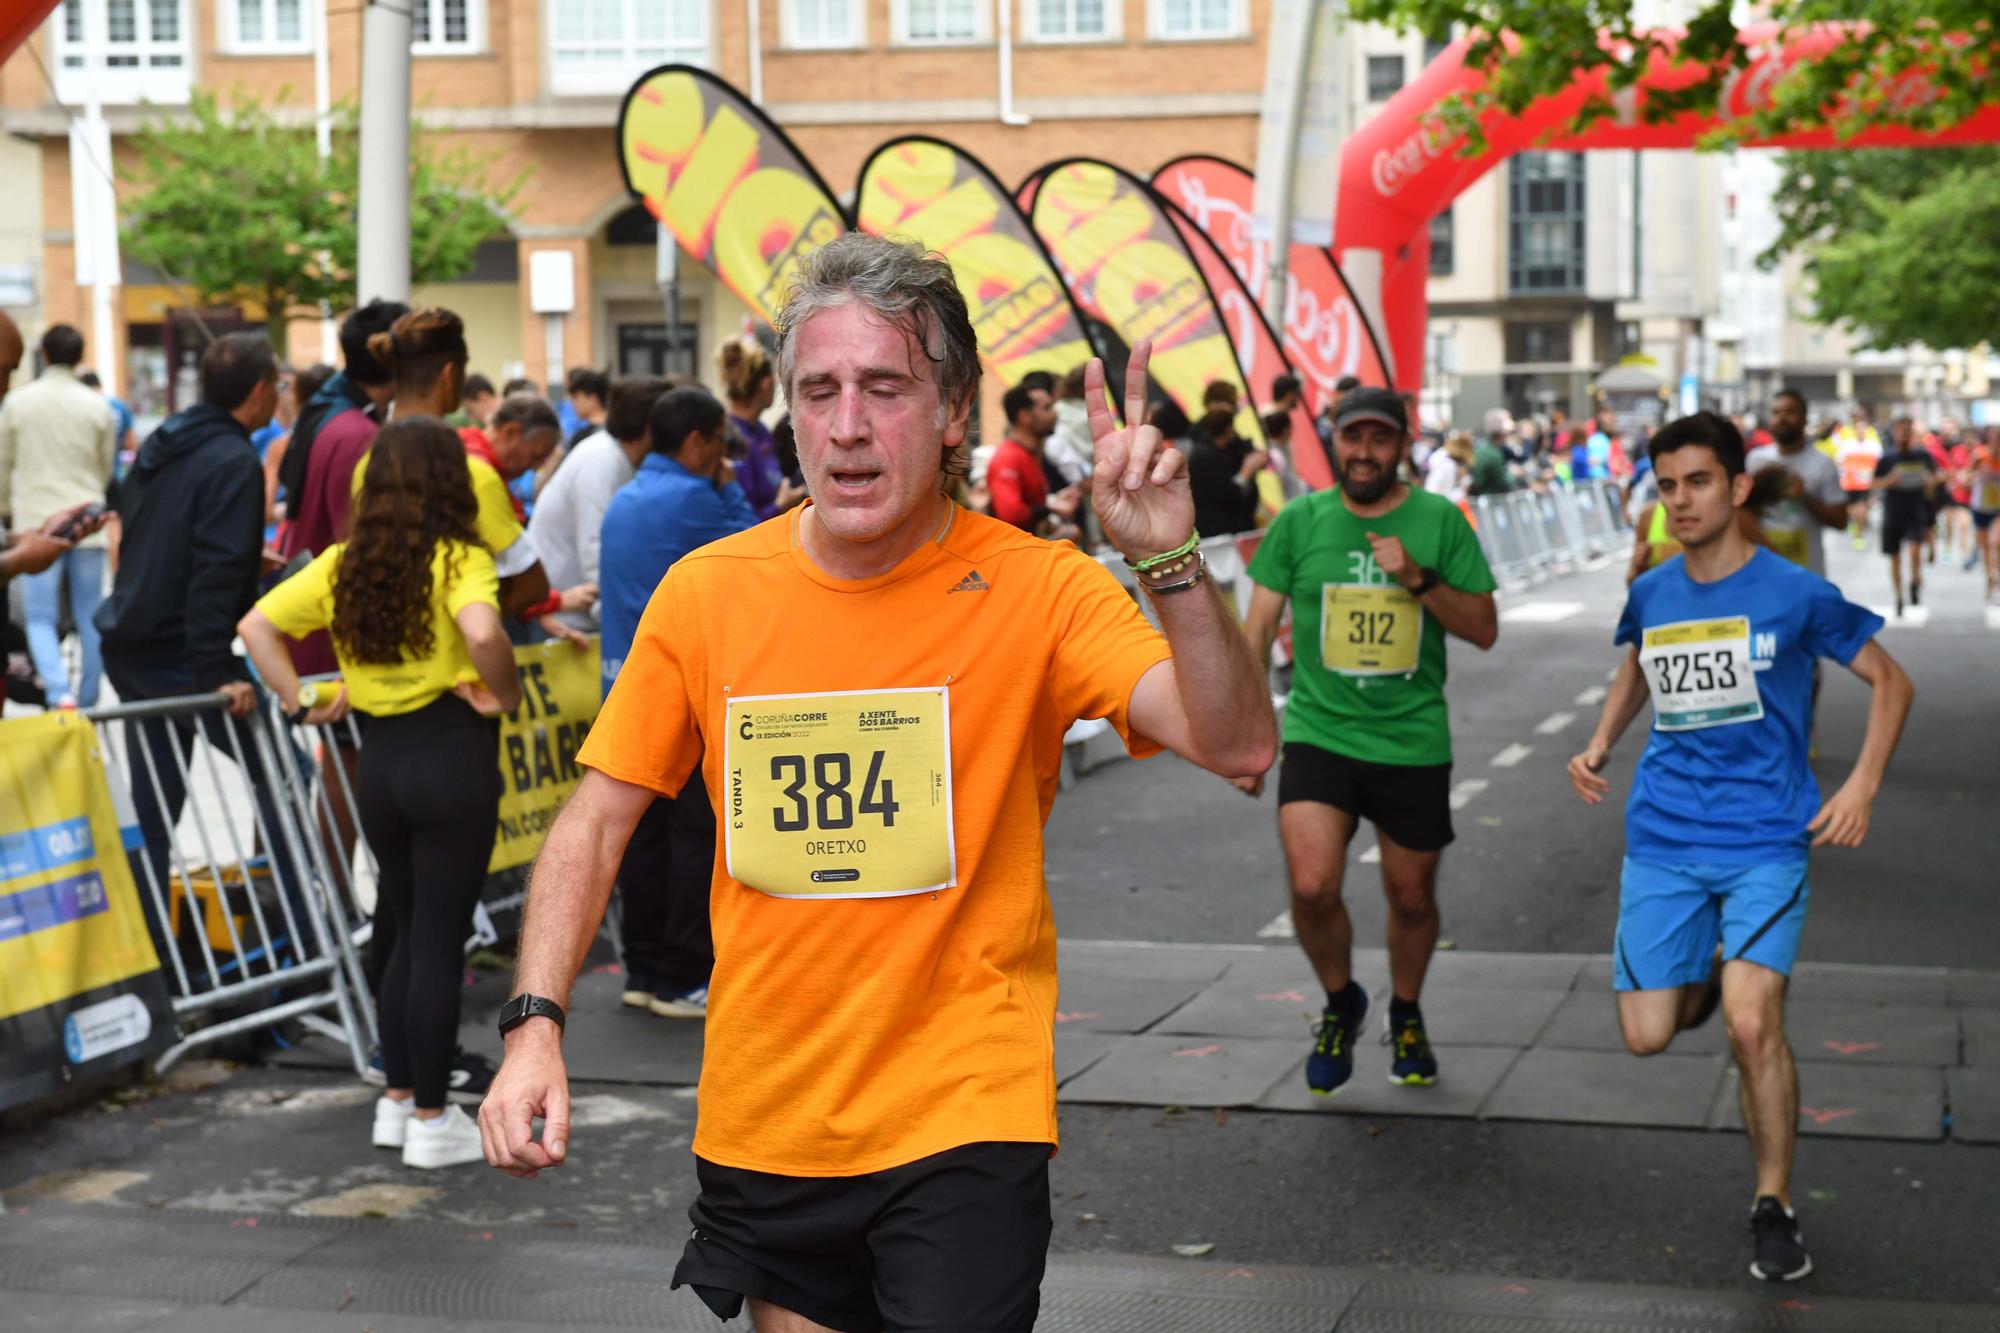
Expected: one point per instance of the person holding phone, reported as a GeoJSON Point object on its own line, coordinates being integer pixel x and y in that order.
{"type": "Point", "coordinates": [412, 602]}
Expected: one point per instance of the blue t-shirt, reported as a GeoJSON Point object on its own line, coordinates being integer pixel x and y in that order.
{"type": "Point", "coordinates": [1739, 793]}
{"type": "Point", "coordinates": [656, 518]}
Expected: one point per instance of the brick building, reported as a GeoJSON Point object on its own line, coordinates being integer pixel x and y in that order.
{"type": "Point", "coordinates": [537, 84]}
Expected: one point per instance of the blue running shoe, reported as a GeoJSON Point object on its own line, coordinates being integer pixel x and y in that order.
{"type": "Point", "coordinates": [1414, 1065]}
{"type": "Point", "coordinates": [1332, 1060]}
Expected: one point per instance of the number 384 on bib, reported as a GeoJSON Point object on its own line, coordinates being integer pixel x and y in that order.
{"type": "Point", "coordinates": [839, 795]}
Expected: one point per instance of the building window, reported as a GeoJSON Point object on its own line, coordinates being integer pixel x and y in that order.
{"type": "Point", "coordinates": [1538, 344]}
{"type": "Point", "coordinates": [1545, 223]}
{"type": "Point", "coordinates": [1385, 77]}
{"type": "Point", "coordinates": [146, 52]}
{"type": "Point", "coordinates": [1182, 19]}
{"type": "Point", "coordinates": [601, 46]}
{"type": "Point", "coordinates": [258, 26]}
{"type": "Point", "coordinates": [447, 27]}
{"type": "Point", "coordinates": [1442, 259]}
{"type": "Point", "coordinates": [932, 22]}
{"type": "Point", "coordinates": [822, 24]}
{"type": "Point", "coordinates": [1434, 49]}
{"type": "Point", "coordinates": [1070, 20]}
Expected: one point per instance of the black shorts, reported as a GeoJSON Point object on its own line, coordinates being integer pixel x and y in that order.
{"type": "Point", "coordinates": [1860, 496]}
{"type": "Point", "coordinates": [1410, 803]}
{"type": "Point", "coordinates": [955, 1241]}
{"type": "Point", "coordinates": [1900, 529]}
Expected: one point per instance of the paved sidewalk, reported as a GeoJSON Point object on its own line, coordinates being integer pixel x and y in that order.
{"type": "Point", "coordinates": [64, 1269]}
{"type": "Point", "coordinates": [1883, 1052]}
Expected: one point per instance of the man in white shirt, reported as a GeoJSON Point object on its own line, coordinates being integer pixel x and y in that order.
{"type": "Point", "coordinates": [569, 513]}
{"type": "Point", "coordinates": [58, 445]}
{"type": "Point", "coordinates": [1812, 499]}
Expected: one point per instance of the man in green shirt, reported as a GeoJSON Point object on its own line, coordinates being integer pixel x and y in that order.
{"type": "Point", "coordinates": [1376, 574]}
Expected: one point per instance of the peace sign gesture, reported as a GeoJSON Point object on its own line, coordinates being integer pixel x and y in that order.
{"type": "Point", "coordinates": [1140, 485]}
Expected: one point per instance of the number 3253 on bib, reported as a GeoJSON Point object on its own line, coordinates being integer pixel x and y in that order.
{"type": "Point", "coordinates": [842, 795]}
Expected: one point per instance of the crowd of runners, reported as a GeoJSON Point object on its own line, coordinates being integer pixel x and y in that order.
{"type": "Point", "coordinates": [874, 689]}
{"type": "Point", "coordinates": [838, 682]}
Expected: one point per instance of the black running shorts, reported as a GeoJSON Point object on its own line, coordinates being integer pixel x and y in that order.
{"type": "Point", "coordinates": [1409, 803]}
{"type": "Point", "coordinates": [955, 1241]}
{"type": "Point", "coordinates": [1903, 529]}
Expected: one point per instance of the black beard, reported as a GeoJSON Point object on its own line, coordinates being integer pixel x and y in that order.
{"type": "Point", "coordinates": [1787, 441]}
{"type": "Point", "coordinates": [1368, 494]}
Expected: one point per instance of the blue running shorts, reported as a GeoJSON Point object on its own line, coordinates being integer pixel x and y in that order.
{"type": "Point", "coordinates": [1670, 918]}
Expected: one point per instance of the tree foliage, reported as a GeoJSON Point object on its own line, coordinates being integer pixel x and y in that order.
{"type": "Point", "coordinates": [1530, 48]}
{"type": "Point", "coordinates": [234, 205]}
{"type": "Point", "coordinates": [1900, 245]}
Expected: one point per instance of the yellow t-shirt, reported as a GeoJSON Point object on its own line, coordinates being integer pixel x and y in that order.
{"type": "Point", "coordinates": [859, 1033]}
{"type": "Point", "coordinates": [304, 603]}
{"type": "Point", "coordinates": [498, 528]}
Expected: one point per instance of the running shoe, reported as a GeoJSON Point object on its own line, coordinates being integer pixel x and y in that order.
{"type": "Point", "coordinates": [1916, 594]}
{"type": "Point", "coordinates": [451, 1139]}
{"type": "Point", "coordinates": [471, 1076]}
{"type": "Point", "coordinates": [392, 1122]}
{"type": "Point", "coordinates": [680, 1004]}
{"type": "Point", "coordinates": [638, 992]}
{"type": "Point", "coordinates": [1332, 1060]}
{"type": "Point", "coordinates": [1414, 1066]}
{"type": "Point", "coordinates": [1781, 1248]}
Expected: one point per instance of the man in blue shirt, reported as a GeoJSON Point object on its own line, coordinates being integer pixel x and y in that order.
{"type": "Point", "coordinates": [684, 496]}
{"type": "Point", "coordinates": [1723, 805]}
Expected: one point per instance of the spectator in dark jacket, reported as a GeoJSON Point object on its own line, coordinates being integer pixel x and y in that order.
{"type": "Point", "coordinates": [193, 516]}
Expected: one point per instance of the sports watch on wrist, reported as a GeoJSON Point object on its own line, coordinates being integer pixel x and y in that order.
{"type": "Point", "coordinates": [308, 700]}
{"type": "Point", "coordinates": [524, 1007]}
{"type": "Point", "coordinates": [1427, 578]}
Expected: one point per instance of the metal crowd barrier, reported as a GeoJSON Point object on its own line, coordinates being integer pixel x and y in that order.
{"type": "Point", "coordinates": [1530, 536]}
{"type": "Point", "coordinates": [251, 925]}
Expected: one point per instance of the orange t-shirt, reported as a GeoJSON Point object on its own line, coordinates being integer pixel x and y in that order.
{"type": "Point", "coordinates": [854, 1035]}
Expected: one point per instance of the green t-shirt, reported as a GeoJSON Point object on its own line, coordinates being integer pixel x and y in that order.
{"type": "Point", "coordinates": [1489, 470]}
{"type": "Point", "coordinates": [1382, 698]}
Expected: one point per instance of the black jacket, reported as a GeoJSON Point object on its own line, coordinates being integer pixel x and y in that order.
{"type": "Point", "coordinates": [191, 555]}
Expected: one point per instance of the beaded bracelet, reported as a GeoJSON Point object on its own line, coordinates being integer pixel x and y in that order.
{"type": "Point", "coordinates": [1153, 562]}
{"type": "Point", "coordinates": [1200, 563]}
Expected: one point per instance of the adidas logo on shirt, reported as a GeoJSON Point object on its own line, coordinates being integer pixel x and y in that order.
{"type": "Point", "coordinates": [971, 583]}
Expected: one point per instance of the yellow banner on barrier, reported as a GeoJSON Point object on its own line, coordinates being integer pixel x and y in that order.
{"type": "Point", "coordinates": [560, 692]}
{"type": "Point", "coordinates": [70, 919]}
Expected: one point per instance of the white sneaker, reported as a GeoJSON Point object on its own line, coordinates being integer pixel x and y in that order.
{"type": "Point", "coordinates": [451, 1139]}
{"type": "Point", "coordinates": [392, 1121]}
{"type": "Point", "coordinates": [688, 1004]}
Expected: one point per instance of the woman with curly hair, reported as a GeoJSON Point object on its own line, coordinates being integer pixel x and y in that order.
{"type": "Point", "coordinates": [412, 600]}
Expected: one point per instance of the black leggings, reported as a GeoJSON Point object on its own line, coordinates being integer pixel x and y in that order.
{"type": "Point", "coordinates": [429, 795]}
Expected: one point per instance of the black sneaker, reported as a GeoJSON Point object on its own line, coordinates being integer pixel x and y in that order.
{"type": "Point", "coordinates": [1781, 1250]}
{"type": "Point", "coordinates": [1916, 594]}
{"type": "Point", "coordinates": [471, 1076]}
{"type": "Point", "coordinates": [1414, 1066]}
{"type": "Point", "coordinates": [1331, 1063]}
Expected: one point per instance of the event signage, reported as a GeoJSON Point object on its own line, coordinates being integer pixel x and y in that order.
{"type": "Point", "coordinates": [560, 693]}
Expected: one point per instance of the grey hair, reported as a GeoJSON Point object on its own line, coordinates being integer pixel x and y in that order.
{"type": "Point", "coordinates": [908, 286]}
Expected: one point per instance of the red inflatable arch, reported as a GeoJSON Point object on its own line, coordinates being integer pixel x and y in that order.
{"type": "Point", "coordinates": [1396, 172]}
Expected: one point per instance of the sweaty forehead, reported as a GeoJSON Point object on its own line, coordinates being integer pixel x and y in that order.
{"type": "Point", "coordinates": [853, 341]}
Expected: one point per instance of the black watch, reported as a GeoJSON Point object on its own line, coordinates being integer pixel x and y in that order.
{"type": "Point", "coordinates": [1427, 581]}
{"type": "Point", "coordinates": [524, 1007]}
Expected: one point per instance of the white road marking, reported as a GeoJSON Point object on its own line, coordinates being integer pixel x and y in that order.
{"type": "Point", "coordinates": [1993, 617]}
{"type": "Point", "coordinates": [1462, 793]}
{"type": "Point", "coordinates": [1913, 617]}
{"type": "Point", "coordinates": [1373, 856]}
{"type": "Point", "coordinates": [1512, 755]}
{"type": "Point", "coordinates": [1592, 696]}
{"type": "Point", "coordinates": [1553, 723]}
{"type": "Point", "coordinates": [1278, 928]}
{"type": "Point", "coordinates": [1611, 674]}
{"type": "Point", "coordinates": [1541, 613]}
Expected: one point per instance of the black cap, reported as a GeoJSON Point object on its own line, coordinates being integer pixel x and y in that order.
{"type": "Point", "coordinates": [1371, 404]}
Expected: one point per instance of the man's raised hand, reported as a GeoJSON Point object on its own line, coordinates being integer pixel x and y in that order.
{"type": "Point", "coordinates": [1140, 485]}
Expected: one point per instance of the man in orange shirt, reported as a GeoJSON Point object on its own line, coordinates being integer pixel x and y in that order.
{"type": "Point", "coordinates": [876, 685]}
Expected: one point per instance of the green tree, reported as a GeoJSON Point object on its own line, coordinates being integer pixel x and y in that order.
{"type": "Point", "coordinates": [1946, 46]}
{"type": "Point", "coordinates": [235, 206]}
{"type": "Point", "coordinates": [1900, 245]}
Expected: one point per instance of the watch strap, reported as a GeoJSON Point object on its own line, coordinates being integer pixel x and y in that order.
{"type": "Point", "coordinates": [524, 1007]}
{"type": "Point", "coordinates": [1428, 580]}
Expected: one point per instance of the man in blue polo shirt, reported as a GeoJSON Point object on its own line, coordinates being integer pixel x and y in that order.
{"type": "Point", "coordinates": [1723, 806]}
{"type": "Point", "coordinates": [684, 496]}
